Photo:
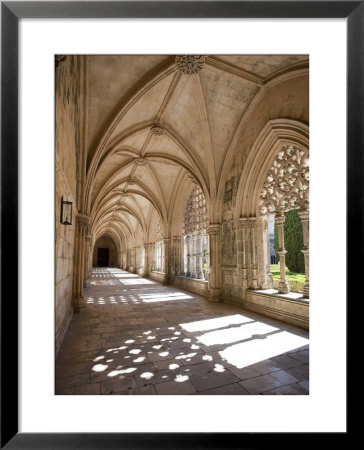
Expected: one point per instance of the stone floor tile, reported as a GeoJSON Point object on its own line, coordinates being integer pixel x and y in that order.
{"type": "Point", "coordinates": [145, 390]}
{"type": "Point", "coordinates": [121, 383]}
{"type": "Point", "coordinates": [229, 389]}
{"type": "Point", "coordinates": [85, 389]}
{"type": "Point", "coordinates": [288, 389]}
{"type": "Point", "coordinates": [265, 366]}
{"type": "Point", "coordinates": [175, 388]}
{"type": "Point", "coordinates": [245, 373]}
{"type": "Point", "coordinates": [302, 356]}
{"type": "Point", "coordinates": [145, 345]}
{"type": "Point", "coordinates": [284, 377]}
{"type": "Point", "coordinates": [300, 372]}
{"type": "Point", "coordinates": [285, 361]}
{"type": "Point", "coordinates": [260, 384]}
{"type": "Point", "coordinates": [210, 381]}
{"type": "Point", "coordinates": [72, 381]}
{"type": "Point", "coordinates": [165, 364]}
{"type": "Point", "coordinates": [304, 384]}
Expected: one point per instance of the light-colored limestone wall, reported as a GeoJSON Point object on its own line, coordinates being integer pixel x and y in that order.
{"type": "Point", "coordinates": [68, 92]}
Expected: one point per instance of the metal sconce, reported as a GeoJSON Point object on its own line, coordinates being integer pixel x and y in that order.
{"type": "Point", "coordinates": [66, 212]}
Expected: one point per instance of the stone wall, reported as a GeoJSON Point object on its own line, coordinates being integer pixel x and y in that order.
{"type": "Point", "coordinates": [68, 89]}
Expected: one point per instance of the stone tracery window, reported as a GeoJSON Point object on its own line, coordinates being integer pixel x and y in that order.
{"type": "Point", "coordinates": [195, 237]}
{"type": "Point", "coordinates": [286, 187]}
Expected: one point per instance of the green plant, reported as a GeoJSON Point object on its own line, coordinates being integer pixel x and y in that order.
{"type": "Point", "coordinates": [293, 242]}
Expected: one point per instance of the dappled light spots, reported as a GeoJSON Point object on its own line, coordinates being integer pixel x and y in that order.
{"type": "Point", "coordinates": [181, 378]}
{"type": "Point", "coordinates": [98, 358]}
{"type": "Point", "coordinates": [146, 375]}
{"type": "Point", "coordinates": [140, 359]}
{"type": "Point", "coordinates": [173, 366]}
{"type": "Point", "coordinates": [100, 367]}
{"type": "Point", "coordinates": [135, 351]}
{"type": "Point", "coordinates": [183, 356]}
{"type": "Point", "coordinates": [219, 368]}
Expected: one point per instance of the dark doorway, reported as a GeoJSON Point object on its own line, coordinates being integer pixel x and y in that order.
{"type": "Point", "coordinates": [102, 257]}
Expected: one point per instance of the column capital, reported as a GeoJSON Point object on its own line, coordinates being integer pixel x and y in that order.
{"type": "Point", "coordinates": [214, 229]}
{"type": "Point", "coordinates": [83, 220]}
{"type": "Point", "coordinates": [279, 218]}
{"type": "Point", "coordinates": [303, 214]}
{"type": "Point", "coordinates": [243, 222]}
{"type": "Point", "coordinates": [252, 222]}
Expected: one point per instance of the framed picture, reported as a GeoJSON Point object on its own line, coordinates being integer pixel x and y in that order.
{"type": "Point", "coordinates": [14, 218]}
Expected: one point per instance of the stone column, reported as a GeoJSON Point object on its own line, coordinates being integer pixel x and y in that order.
{"type": "Point", "coordinates": [188, 255]}
{"type": "Point", "coordinates": [178, 255]}
{"type": "Point", "coordinates": [166, 259]}
{"type": "Point", "coordinates": [283, 286]}
{"type": "Point", "coordinates": [252, 222]}
{"type": "Point", "coordinates": [214, 231]}
{"type": "Point", "coordinates": [244, 251]}
{"type": "Point", "coordinates": [194, 255]}
{"type": "Point", "coordinates": [82, 222]}
{"type": "Point", "coordinates": [304, 216]}
{"type": "Point", "coordinates": [199, 256]}
{"type": "Point", "coordinates": [146, 259]}
{"type": "Point", "coordinates": [262, 255]}
{"type": "Point", "coordinates": [87, 260]}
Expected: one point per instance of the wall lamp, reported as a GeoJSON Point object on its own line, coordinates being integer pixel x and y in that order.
{"type": "Point", "coordinates": [66, 212]}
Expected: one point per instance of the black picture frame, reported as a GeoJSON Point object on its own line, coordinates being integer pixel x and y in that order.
{"type": "Point", "coordinates": [11, 12]}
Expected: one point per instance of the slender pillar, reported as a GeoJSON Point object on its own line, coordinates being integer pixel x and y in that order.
{"type": "Point", "coordinates": [82, 222]}
{"type": "Point", "coordinates": [145, 259]}
{"type": "Point", "coordinates": [194, 255]}
{"type": "Point", "coordinates": [166, 259]}
{"type": "Point", "coordinates": [199, 256]}
{"type": "Point", "coordinates": [188, 255]}
{"type": "Point", "coordinates": [283, 286]}
{"type": "Point", "coordinates": [244, 251]}
{"type": "Point", "coordinates": [252, 222]}
{"type": "Point", "coordinates": [304, 216]}
{"type": "Point", "coordinates": [214, 231]}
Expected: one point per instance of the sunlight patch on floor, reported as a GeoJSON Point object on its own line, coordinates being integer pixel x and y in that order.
{"type": "Point", "coordinates": [219, 322]}
{"type": "Point", "coordinates": [256, 350]}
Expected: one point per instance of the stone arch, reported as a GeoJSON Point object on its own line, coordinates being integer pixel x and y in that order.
{"type": "Point", "coordinates": [275, 135]}
{"type": "Point", "coordinates": [275, 181]}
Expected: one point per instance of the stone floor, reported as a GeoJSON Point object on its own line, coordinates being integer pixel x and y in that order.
{"type": "Point", "coordinates": [138, 337]}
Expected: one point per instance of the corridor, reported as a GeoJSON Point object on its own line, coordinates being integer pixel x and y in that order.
{"type": "Point", "coordinates": [135, 336]}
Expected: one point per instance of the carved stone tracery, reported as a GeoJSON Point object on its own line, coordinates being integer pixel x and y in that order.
{"type": "Point", "coordinates": [190, 64]}
{"type": "Point", "coordinates": [287, 183]}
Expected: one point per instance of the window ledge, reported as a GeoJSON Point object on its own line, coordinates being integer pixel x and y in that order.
{"type": "Point", "coordinates": [290, 296]}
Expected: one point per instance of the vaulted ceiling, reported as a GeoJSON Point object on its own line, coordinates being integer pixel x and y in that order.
{"type": "Point", "coordinates": [153, 129]}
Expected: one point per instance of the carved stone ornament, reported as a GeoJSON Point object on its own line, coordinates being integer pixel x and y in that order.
{"type": "Point", "coordinates": [190, 64]}
{"type": "Point", "coordinates": [140, 161]}
{"type": "Point", "coordinates": [83, 220]}
{"type": "Point", "coordinates": [287, 183]}
{"type": "Point", "coordinates": [214, 229]}
{"type": "Point", "coordinates": [157, 131]}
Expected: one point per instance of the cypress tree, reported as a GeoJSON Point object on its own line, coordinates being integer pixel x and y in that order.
{"type": "Point", "coordinates": [293, 242]}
